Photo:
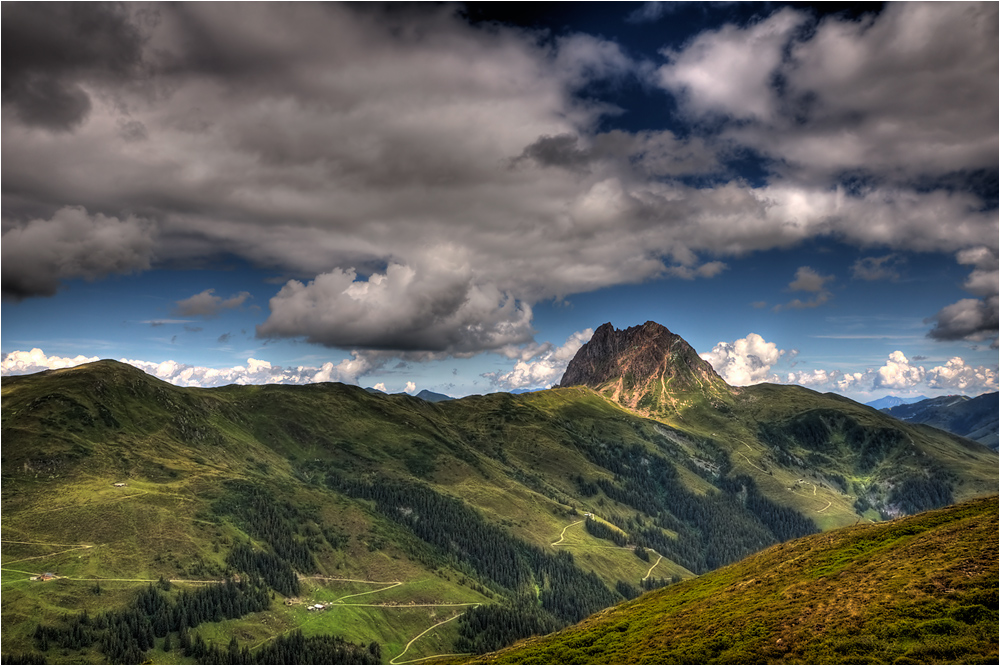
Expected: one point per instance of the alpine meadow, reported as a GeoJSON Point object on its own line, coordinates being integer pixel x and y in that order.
{"type": "Point", "coordinates": [486, 332]}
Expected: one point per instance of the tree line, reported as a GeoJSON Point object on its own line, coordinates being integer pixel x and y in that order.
{"type": "Point", "coordinates": [462, 537]}
{"type": "Point", "coordinates": [125, 635]}
{"type": "Point", "coordinates": [292, 648]}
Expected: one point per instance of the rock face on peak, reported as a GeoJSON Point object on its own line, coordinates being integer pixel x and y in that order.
{"type": "Point", "coordinates": [643, 368]}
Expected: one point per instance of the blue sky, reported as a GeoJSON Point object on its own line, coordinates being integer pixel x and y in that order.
{"type": "Point", "coordinates": [451, 197]}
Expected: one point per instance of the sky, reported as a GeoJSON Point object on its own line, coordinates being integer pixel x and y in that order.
{"type": "Point", "coordinates": [452, 197]}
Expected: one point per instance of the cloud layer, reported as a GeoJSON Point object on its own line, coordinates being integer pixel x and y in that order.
{"type": "Point", "coordinates": [750, 360]}
{"type": "Point", "coordinates": [422, 182]}
{"type": "Point", "coordinates": [254, 372]}
{"type": "Point", "coordinates": [538, 366]}
{"type": "Point", "coordinates": [745, 361]}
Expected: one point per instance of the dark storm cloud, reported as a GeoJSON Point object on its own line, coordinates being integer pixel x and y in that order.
{"type": "Point", "coordinates": [970, 318]}
{"type": "Point", "coordinates": [72, 244]}
{"type": "Point", "coordinates": [51, 51]}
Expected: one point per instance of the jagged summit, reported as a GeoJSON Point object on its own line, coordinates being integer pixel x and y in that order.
{"type": "Point", "coordinates": [643, 367]}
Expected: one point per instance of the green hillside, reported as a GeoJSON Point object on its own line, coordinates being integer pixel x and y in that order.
{"type": "Point", "coordinates": [425, 528]}
{"type": "Point", "coordinates": [921, 589]}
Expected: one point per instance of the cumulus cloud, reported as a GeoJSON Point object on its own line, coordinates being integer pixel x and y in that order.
{"type": "Point", "coordinates": [327, 142]}
{"type": "Point", "coordinates": [902, 374]}
{"type": "Point", "coordinates": [970, 318]}
{"type": "Point", "coordinates": [207, 304]}
{"type": "Point", "coordinates": [816, 377]}
{"type": "Point", "coordinates": [410, 387]}
{"type": "Point", "coordinates": [22, 363]}
{"type": "Point", "coordinates": [258, 371]}
{"type": "Point", "coordinates": [402, 309]}
{"type": "Point", "coordinates": [729, 71]}
{"type": "Point", "coordinates": [745, 361]}
{"type": "Point", "coordinates": [750, 360]}
{"type": "Point", "coordinates": [955, 375]}
{"type": "Point", "coordinates": [71, 244]}
{"type": "Point", "coordinates": [908, 91]}
{"type": "Point", "coordinates": [898, 373]}
{"type": "Point", "coordinates": [538, 365]}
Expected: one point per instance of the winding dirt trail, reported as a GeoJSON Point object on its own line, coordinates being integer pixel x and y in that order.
{"type": "Point", "coordinates": [652, 567]}
{"type": "Point", "coordinates": [751, 464]}
{"type": "Point", "coordinates": [360, 594]}
{"type": "Point", "coordinates": [395, 659]}
{"type": "Point", "coordinates": [563, 534]}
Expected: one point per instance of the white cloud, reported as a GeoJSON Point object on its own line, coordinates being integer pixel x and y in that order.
{"type": "Point", "coordinates": [901, 375]}
{"type": "Point", "coordinates": [812, 377]}
{"type": "Point", "coordinates": [22, 363]}
{"type": "Point", "coordinates": [257, 371]}
{"type": "Point", "coordinates": [898, 373]}
{"type": "Point", "coordinates": [410, 387]}
{"type": "Point", "coordinates": [728, 71]}
{"type": "Point", "coordinates": [745, 361]}
{"type": "Point", "coordinates": [380, 387]}
{"type": "Point", "coordinates": [545, 371]}
{"type": "Point", "coordinates": [955, 375]}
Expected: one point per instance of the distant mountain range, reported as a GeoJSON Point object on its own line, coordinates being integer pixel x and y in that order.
{"type": "Point", "coordinates": [975, 418]}
{"type": "Point", "coordinates": [892, 401]}
{"type": "Point", "coordinates": [429, 396]}
{"type": "Point", "coordinates": [511, 515]}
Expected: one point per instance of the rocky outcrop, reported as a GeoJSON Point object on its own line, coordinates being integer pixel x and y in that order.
{"type": "Point", "coordinates": [642, 367]}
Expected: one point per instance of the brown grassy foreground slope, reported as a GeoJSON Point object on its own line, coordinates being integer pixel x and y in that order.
{"type": "Point", "coordinates": [921, 589]}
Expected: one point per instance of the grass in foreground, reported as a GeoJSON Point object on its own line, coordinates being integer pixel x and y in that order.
{"type": "Point", "coordinates": [917, 590]}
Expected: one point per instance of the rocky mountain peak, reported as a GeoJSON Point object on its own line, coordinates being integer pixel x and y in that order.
{"type": "Point", "coordinates": [639, 365]}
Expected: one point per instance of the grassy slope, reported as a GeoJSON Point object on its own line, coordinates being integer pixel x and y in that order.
{"type": "Point", "coordinates": [70, 434]}
{"type": "Point", "coordinates": [805, 476]}
{"type": "Point", "coordinates": [176, 447]}
{"type": "Point", "coordinates": [921, 589]}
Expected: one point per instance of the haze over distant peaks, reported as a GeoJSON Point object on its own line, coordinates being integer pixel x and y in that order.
{"type": "Point", "coordinates": [642, 367]}
{"type": "Point", "coordinates": [894, 401]}
{"type": "Point", "coordinates": [975, 418]}
{"type": "Point", "coordinates": [431, 396]}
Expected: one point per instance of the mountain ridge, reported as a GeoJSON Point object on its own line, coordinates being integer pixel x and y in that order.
{"type": "Point", "coordinates": [331, 482]}
{"type": "Point", "coordinates": [975, 418]}
{"type": "Point", "coordinates": [644, 368]}
{"type": "Point", "coordinates": [894, 401]}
